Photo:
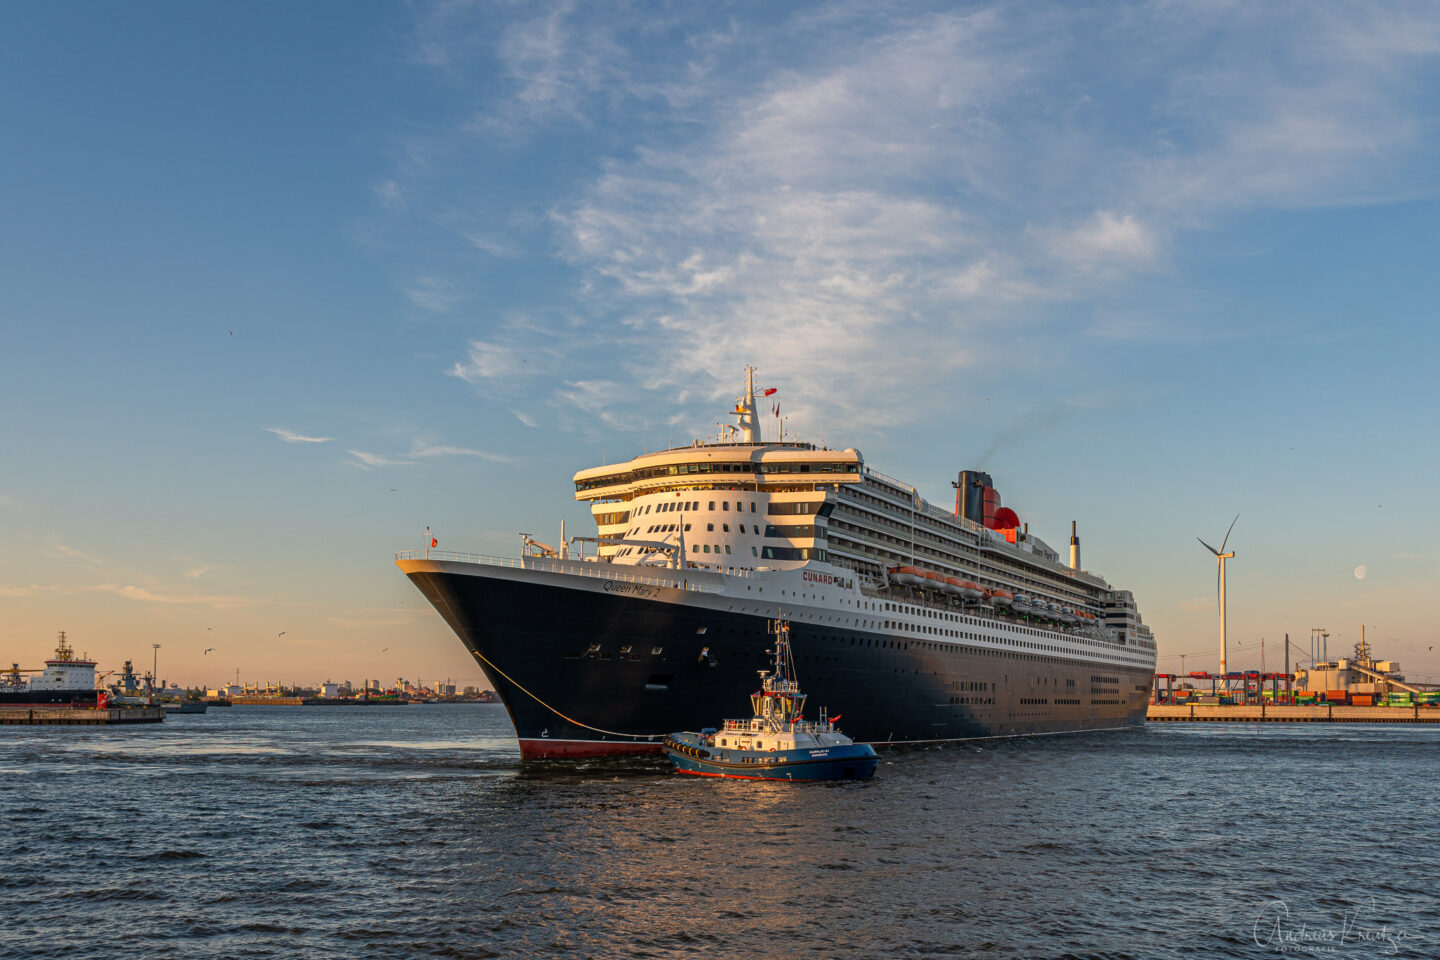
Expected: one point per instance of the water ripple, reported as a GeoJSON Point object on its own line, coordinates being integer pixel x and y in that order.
{"type": "Point", "coordinates": [283, 832]}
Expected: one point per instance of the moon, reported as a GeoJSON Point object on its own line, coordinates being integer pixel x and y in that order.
{"type": "Point", "coordinates": [1360, 572]}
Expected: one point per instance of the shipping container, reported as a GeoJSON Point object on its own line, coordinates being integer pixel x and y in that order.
{"type": "Point", "coordinates": [1362, 700]}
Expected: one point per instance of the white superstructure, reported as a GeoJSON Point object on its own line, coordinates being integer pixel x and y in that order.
{"type": "Point", "coordinates": [743, 506]}
{"type": "Point", "coordinates": [66, 671]}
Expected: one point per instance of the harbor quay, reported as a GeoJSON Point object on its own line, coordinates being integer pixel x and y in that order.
{"type": "Point", "coordinates": [51, 715]}
{"type": "Point", "coordinates": [1289, 713]}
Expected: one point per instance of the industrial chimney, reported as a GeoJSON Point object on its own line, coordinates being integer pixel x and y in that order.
{"type": "Point", "coordinates": [1074, 548]}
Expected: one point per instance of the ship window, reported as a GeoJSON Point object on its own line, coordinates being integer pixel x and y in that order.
{"type": "Point", "coordinates": [752, 507]}
{"type": "Point", "coordinates": [712, 504]}
{"type": "Point", "coordinates": [739, 506]}
{"type": "Point", "coordinates": [710, 526]}
{"type": "Point", "coordinates": [754, 552]}
{"type": "Point", "coordinates": [707, 548]}
{"type": "Point", "coordinates": [687, 526]}
{"type": "Point", "coordinates": [724, 504]}
{"type": "Point", "coordinates": [725, 527]}
{"type": "Point", "coordinates": [694, 548]}
{"type": "Point", "coordinates": [727, 548]}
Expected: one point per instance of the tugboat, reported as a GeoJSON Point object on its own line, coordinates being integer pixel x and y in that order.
{"type": "Point", "coordinates": [777, 743]}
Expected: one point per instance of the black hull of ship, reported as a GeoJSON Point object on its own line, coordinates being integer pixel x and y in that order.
{"type": "Point", "coordinates": [586, 673]}
{"type": "Point", "coordinates": [50, 697]}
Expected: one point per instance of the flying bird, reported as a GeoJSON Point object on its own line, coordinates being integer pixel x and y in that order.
{"type": "Point", "coordinates": [382, 651]}
{"type": "Point", "coordinates": [282, 633]}
{"type": "Point", "coordinates": [207, 650]}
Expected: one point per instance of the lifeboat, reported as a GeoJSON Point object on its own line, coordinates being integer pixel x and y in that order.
{"type": "Point", "coordinates": [932, 580]}
{"type": "Point", "coordinates": [953, 586]}
{"type": "Point", "coordinates": [973, 590]}
{"type": "Point", "coordinates": [1021, 603]}
{"type": "Point", "coordinates": [1001, 598]}
{"type": "Point", "coordinates": [906, 576]}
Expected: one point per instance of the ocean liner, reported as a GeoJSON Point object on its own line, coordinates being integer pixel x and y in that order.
{"type": "Point", "coordinates": [921, 624]}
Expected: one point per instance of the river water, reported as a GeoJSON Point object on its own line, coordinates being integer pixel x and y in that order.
{"type": "Point", "coordinates": [281, 832]}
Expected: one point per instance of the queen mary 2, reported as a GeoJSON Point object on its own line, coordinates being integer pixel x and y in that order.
{"type": "Point", "coordinates": [918, 624]}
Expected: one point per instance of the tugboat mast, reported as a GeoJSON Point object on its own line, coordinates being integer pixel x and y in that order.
{"type": "Point", "coordinates": [779, 702]}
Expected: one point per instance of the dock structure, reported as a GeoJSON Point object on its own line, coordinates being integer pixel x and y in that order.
{"type": "Point", "coordinates": [56, 715]}
{"type": "Point", "coordinates": [1290, 713]}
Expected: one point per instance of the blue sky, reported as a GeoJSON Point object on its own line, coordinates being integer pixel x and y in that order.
{"type": "Point", "coordinates": [280, 287]}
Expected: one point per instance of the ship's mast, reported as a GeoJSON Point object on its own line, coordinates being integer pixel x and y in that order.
{"type": "Point", "coordinates": [749, 417]}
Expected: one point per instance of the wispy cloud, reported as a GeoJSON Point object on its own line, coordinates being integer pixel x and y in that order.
{"type": "Point", "coordinates": [428, 450]}
{"type": "Point", "coordinates": [8, 502]}
{"type": "Point", "coordinates": [367, 460]}
{"type": "Point", "coordinates": [434, 294]}
{"type": "Point", "coordinates": [850, 184]}
{"type": "Point", "coordinates": [58, 549]}
{"type": "Point", "coordinates": [32, 589]}
{"type": "Point", "coordinates": [290, 436]}
{"type": "Point", "coordinates": [425, 446]}
{"type": "Point", "coordinates": [1197, 604]}
{"type": "Point", "coordinates": [489, 361]}
{"type": "Point", "coordinates": [389, 195]}
{"type": "Point", "coordinates": [146, 595]}
{"type": "Point", "coordinates": [129, 592]}
{"type": "Point", "coordinates": [195, 573]}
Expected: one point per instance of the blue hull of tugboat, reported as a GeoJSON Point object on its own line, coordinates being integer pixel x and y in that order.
{"type": "Point", "coordinates": [853, 762]}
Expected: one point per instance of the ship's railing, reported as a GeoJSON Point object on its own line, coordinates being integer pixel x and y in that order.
{"type": "Point", "coordinates": [454, 557]}
{"type": "Point", "coordinates": [678, 580]}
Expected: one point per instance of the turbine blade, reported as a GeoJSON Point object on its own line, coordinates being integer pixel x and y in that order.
{"type": "Point", "coordinates": [1227, 534]}
{"type": "Point", "coordinates": [1208, 547]}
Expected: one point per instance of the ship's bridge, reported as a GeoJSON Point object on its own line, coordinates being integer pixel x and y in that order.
{"type": "Point", "coordinates": [753, 466]}
{"type": "Point", "coordinates": [724, 505]}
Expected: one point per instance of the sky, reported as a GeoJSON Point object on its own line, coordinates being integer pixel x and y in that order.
{"type": "Point", "coordinates": [283, 285]}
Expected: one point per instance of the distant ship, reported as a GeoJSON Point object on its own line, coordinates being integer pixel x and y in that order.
{"type": "Point", "coordinates": [65, 679]}
{"type": "Point", "coordinates": [921, 625]}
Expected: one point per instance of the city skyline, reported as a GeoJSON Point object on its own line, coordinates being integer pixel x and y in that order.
{"type": "Point", "coordinates": [283, 289]}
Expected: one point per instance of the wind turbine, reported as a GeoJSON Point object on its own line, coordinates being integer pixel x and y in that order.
{"type": "Point", "coordinates": [1220, 557]}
